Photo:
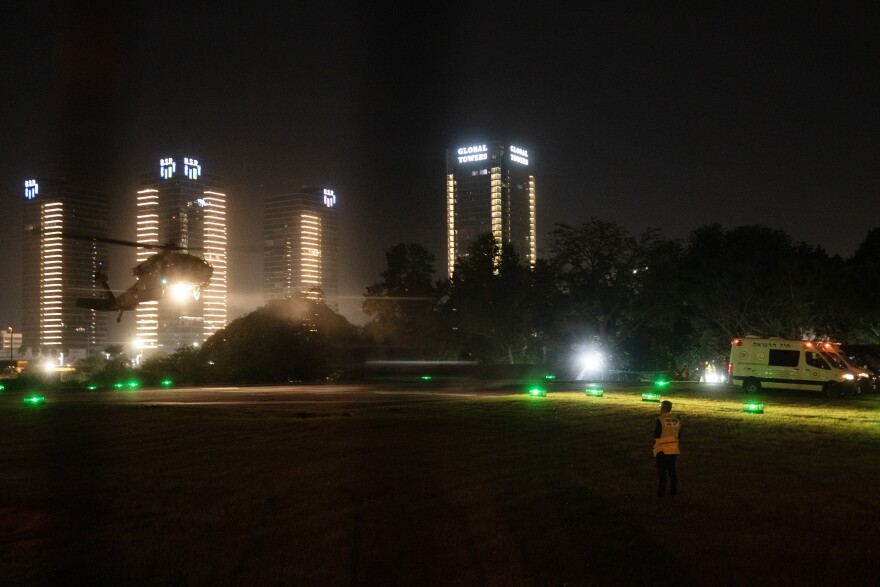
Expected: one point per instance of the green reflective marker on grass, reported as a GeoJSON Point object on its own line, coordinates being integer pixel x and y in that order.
{"type": "Point", "coordinates": [537, 392]}
{"type": "Point", "coordinates": [426, 377]}
{"type": "Point", "coordinates": [166, 383]}
{"type": "Point", "coordinates": [2, 387]}
{"type": "Point", "coordinates": [92, 387]}
{"type": "Point", "coordinates": [595, 392]}
{"type": "Point", "coordinates": [33, 400]}
{"type": "Point", "coordinates": [661, 383]}
{"type": "Point", "coordinates": [650, 397]}
{"type": "Point", "coordinates": [753, 408]}
{"type": "Point", "coordinates": [118, 385]}
{"type": "Point", "coordinates": [133, 384]}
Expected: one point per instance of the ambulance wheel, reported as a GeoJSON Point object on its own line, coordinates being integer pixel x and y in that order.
{"type": "Point", "coordinates": [751, 386]}
{"type": "Point", "coordinates": [832, 390]}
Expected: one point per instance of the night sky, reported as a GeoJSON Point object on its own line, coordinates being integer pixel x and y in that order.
{"type": "Point", "coordinates": [646, 114]}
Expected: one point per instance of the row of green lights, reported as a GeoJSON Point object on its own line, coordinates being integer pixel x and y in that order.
{"type": "Point", "coordinates": [594, 391]}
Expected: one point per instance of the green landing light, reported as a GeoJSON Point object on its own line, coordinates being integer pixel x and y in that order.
{"type": "Point", "coordinates": [133, 384]}
{"type": "Point", "coordinates": [550, 377]}
{"type": "Point", "coordinates": [118, 385]}
{"type": "Point", "coordinates": [167, 383]}
{"type": "Point", "coordinates": [92, 387]}
{"type": "Point", "coordinates": [2, 387]}
{"type": "Point", "coordinates": [33, 400]}
{"type": "Point", "coordinates": [426, 378]}
{"type": "Point", "coordinates": [650, 397]}
{"type": "Point", "coordinates": [537, 392]}
{"type": "Point", "coordinates": [661, 383]}
{"type": "Point", "coordinates": [595, 391]}
{"type": "Point", "coordinates": [753, 408]}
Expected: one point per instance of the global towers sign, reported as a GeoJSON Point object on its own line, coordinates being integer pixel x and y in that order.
{"type": "Point", "coordinates": [473, 153]}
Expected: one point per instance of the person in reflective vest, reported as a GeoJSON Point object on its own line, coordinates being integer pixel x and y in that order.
{"type": "Point", "coordinates": [667, 431]}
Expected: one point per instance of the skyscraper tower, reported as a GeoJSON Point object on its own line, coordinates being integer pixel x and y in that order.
{"type": "Point", "coordinates": [179, 203]}
{"type": "Point", "coordinates": [57, 270]}
{"type": "Point", "coordinates": [301, 250]}
{"type": "Point", "coordinates": [490, 189]}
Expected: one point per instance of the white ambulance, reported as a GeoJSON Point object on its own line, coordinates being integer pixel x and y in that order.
{"type": "Point", "coordinates": [777, 363]}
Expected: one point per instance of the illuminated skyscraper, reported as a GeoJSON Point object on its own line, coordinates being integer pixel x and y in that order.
{"type": "Point", "coordinates": [56, 270]}
{"type": "Point", "coordinates": [178, 203]}
{"type": "Point", "coordinates": [301, 244]}
{"type": "Point", "coordinates": [490, 189]}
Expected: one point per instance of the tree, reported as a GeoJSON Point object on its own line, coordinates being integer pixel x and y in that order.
{"type": "Point", "coordinates": [290, 339]}
{"type": "Point", "coordinates": [401, 306]}
{"type": "Point", "coordinates": [495, 306]}
{"type": "Point", "coordinates": [611, 282]}
{"type": "Point", "coordinates": [754, 280]}
{"type": "Point", "coordinates": [860, 282]}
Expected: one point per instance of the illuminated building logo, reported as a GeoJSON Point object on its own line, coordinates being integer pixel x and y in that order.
{"type": "Point", "coordinates": [519, 155]}
{"type": "Point", "coordinates": [31, 189]}
{"type": "Point", "coordinates": [329, 198]}
{"type": "Point", "coordinates": [473, 153]}
{"type": "Point", "coordinates": [167, 167]}
{"type": "Point", "coordinates": [191, 168]}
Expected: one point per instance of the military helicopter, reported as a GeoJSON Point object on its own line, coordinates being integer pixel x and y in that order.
{"type": "Point", "coordinates": [169, 268]}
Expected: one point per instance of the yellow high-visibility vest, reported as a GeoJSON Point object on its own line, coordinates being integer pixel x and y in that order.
{"type": "Point", "coordinates": [668, 441]}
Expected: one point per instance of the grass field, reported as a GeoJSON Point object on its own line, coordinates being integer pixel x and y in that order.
{"type": "Point", "coordinates": [500, 490]}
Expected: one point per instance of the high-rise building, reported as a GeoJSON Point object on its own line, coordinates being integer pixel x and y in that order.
{"type": "Point", "coordinates": [490, 189]}
{"type": "Point", "coordinates": [179, 203]}
{"type": "Point", "coordinates": [301, 245]}
{"type": "Point", "coordinates": [57, 270]}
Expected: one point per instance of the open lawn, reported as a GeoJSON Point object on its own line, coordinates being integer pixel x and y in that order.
{"type": "Point", "coordinates": [435, 490]}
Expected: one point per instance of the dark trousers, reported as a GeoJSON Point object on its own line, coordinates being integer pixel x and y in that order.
{"type": "Point", "coordinates": [666, 467]}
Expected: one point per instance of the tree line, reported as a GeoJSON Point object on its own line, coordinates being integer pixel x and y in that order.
{"type": "Point", "coordinates": [648, 302]}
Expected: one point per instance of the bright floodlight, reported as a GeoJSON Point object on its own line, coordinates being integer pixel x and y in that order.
{"type": "Point", "coordinates": [592, 361]}
{"type": "Point", "coordinates": [181, 292]}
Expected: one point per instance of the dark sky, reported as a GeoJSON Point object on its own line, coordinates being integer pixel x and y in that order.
{"type": "Point", "coordinates": [648, 114]}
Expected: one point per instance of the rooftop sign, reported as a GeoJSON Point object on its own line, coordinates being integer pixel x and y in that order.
{"type": "Point", "coordinates": [519, 155]}
{"type": "Point", "coordinates": [473, 153]}
{"type": "Point", "coordinates": [31, 189]}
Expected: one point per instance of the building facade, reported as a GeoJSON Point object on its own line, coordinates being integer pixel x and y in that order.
{"type": "Point", "coordinates": [301, 245]}
{"type": "Point", "coordinates": [490, 189]}
{"type": "Point", "coordinates": [179, 203]}
{"type": "Point", "coordinates": [56, 269]}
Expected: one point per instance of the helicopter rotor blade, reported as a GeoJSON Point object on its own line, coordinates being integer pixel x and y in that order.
{"type": "Point", "coordinates": [112, 241]}
{"type": "Point", "coordinates": [126, 243]}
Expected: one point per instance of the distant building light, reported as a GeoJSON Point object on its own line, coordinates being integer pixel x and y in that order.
{"type": "Point", "coordinates": [329, 198]}
{"type": "Point", "coordinates": [167, 167]}
{"type": "Point", "coordinates": [31, 189]}
{"type": "Point", "coordinates": [191, 168]}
